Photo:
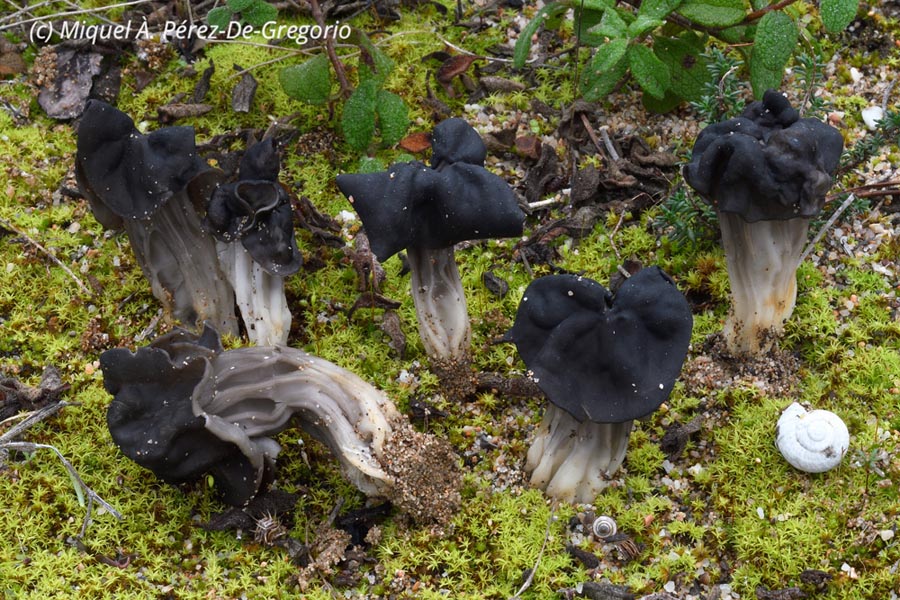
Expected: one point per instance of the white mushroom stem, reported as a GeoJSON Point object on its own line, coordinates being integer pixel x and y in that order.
{"type": "Point", "coordinates": [259, 295]}
{"type": "Point", "coordinates": [249, 394]}
{"type": "Point", "coordinates": [573, 461]}
{"type": "Point", "coordinates": [762, 262]}
{"type": "Point", "coordinates": [180, 261]}
{"type": "Point", "coordinates": [440, 303]}
{"type": "Point", "coordinates": [443, 318]}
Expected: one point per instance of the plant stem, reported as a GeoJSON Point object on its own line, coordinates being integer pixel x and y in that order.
{"type": "Point", "coordinates": [758, 14]}
{"type": "Point", "coordinates": [346, 88]}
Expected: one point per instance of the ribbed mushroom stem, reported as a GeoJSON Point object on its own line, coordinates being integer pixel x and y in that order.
{"type": "Point", "coordinates": [762, 260]}
{"type": "Point", "coordinates": [573, 461]}
{"type": "Point", "coordinates": [259, 294]}
{"type": "Point", "coordinates": [253, 393]}
{"type": "Point", "coordinates": [443, 317]}
{"type": "Point", "coordinates": [179, 259]}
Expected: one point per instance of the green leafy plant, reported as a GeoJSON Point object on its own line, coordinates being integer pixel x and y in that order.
{"type": "Point", "coordinates": [251, 12]}
{"type": "Point", "coordinates": [687, 221]}
{"type": "Point", "coordinates": [809, 71]}
{"type": "Point", "coordinates": [722, 96]}
{"type": "Point", "coordinates": [662, 44]}
{"type": "Point", "coordinates": [367, 108]}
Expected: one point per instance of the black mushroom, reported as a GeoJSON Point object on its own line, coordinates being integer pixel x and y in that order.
{"type": "Point", "coordinates": [252, 221]}
{"type": "Point", "coordinates": [426, 210]}
{"type": "Point", "coordinates": [767, 174]}
{"type": "Point", "coordinates": [139, 183]}
{"type": "Point", "coordinates": [603, 360]}
{"type": "Point", "coordinates": [183, 407]}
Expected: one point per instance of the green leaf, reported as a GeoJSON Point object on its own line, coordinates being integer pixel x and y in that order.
{"type": "Point", "coordinates": [642, 25]}
{"type": "Point", "coordinates": [713, 13]}
{"type": "Point", "coordinates": [595, 5]}
{"type": "Point", "coordinates": [776, 38]}
{"type": "Point", "coordinates": [739, 34]}
{"type": "Point", "coordinates": [762, 77]}
{"type": "Point", "coordinates": [393, 117]}
{"type": "Point", "coordinates": [661, 105]}
{"type": "Point", "coordinates": [239, 5]}
{"type": "Point", "coordinates": [584, 21]}
{"type": "Point", "coordinates": [687, 64]}
{"type": "Point", "coordinates": [611, 26]}
{"type": "Point", "coordinates": [259, 14]}
{"type": "Point", "coordinates": [608, 55]}
{"type": "Point", "coordinates": [596, 85]}
{"type": "Point", "coordinates": [358, 118]}
{"type": "Point", "coordinates": [837, 14]}
{"type": "Point", "coordinates": [523, 44]}
{"type": "Point", "coordinates": [309, 81]}
{"type": "Point", "coordinates": [650, 73]}
{"type": "Point", "coordinates": [657, 9]}
{"type": "Point", "coordinates": [219, 17]}
{"type": "Point", "coordinates": [373, 63]}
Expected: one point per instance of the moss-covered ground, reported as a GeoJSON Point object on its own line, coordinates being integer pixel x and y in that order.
{"type": "Point", "coordinates": [728, 511]}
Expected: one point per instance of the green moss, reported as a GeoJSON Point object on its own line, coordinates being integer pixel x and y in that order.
{"type": "Point", "coordinates": [678, 518]}
{"type": "Point", "coordinates": [493, 541]}
{"type": "Point", "coordinates": [644, 457]}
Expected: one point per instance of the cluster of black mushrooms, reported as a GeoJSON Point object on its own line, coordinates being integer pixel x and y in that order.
{"type": "Point", "coordinates": [184, 407]}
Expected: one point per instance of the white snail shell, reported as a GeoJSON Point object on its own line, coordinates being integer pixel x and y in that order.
{"type": "Point", "coordinates": [814, 441]}
{"type": "Point", "coordinates": [604, 527]}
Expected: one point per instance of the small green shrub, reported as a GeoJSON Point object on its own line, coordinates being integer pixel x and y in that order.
{"type": "Point", "coordinates": [367, 108]}
{"type": "Point", "coordinates": [662, 44]}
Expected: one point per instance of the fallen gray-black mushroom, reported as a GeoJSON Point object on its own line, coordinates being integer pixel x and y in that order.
{"type": "Point", "coordinates": [767, 174]}
{"type": "Point", "coordinates": [603, 360]}
{"type": "Point", "coordinates": [426, 210]}
{"type": "Point", "coordinates": [139, 183]}
{"type": "Point", "coordinates": [252, 221]}
{"type": "Point", "coordinates": [183, 407]}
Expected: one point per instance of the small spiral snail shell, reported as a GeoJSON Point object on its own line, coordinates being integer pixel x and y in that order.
{"type": "Point", "coordinates": [604, 526]}
{"type": "Point", "coordinates": [814, 441]}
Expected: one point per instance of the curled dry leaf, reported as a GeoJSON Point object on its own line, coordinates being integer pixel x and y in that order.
{"type": "Point", "coordinates": [416, 142]}
{"type": "Point", "coordinates": [495, 284]}
{"type": "Point", "coordinates": [202, 86]}
{"type": "Point", "coordinates": [180, 110]}
{"type": "Point", "coordinates": [529, 146]}
{"type": "Point", "coordinates": [390, 324]}
{"type": "Point", "coordinates": [455, 66]}
{"type": "Point", "coordinates": [243, 93]}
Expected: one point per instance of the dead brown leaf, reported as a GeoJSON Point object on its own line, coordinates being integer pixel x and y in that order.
{"type": "Point", "coordinates": [416, 142]}
{"type": "Point", "coordinates": [453, 67]}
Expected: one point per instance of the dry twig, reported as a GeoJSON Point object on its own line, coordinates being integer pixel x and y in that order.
{"type": "Point", "coordinates": [827, 226]}
{"type": "Point", "coordinates": [7, 225]}
{"type": "Point", "coordinates": [528, 580]}
{"type": "Point", "coordinates": [7, 443]}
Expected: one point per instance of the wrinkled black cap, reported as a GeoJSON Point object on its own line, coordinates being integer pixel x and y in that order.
{"type": "Point", "coordinates": [454, 141]}
{"type": "Point", "coordinates": [412, 205]}
{"type": "Point", "coordinates": [125, 174]}
{"type": "Point", "coordinates": [603, 357]}
{"type": "Point", "coordinates": [151, 418]}
{"type": "Point", "coordinates": [767, 164]}
{"type": "Point", "coordinates": [256, 210]}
